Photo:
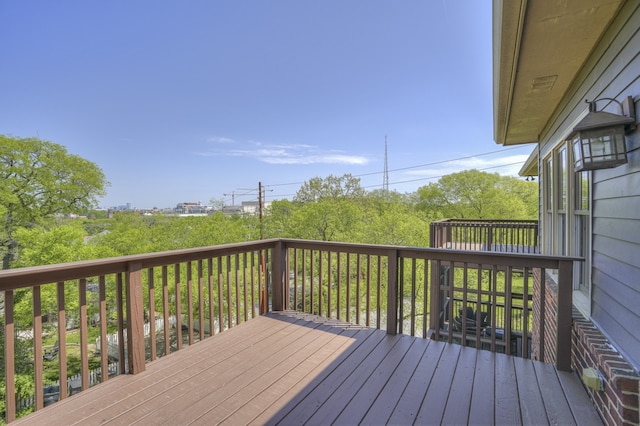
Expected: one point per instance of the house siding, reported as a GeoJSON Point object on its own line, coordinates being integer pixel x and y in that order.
{"type": "Point", "coordinates": [616, 201]}
{"type": "Point", "coordinates": [612, 71]}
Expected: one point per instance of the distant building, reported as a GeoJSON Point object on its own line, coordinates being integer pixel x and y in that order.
{"type": "Point", "coordinates": [191, 208]}
{"type": "Point", "coordinates": [253, 207]}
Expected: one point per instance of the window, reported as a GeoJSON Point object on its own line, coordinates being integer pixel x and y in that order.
{"type": "Point", "coordinates": [582, 231]}
{"type": "Point", "coordinates": [561, 193]}
{"type": "Point", "coordinates": [548, 222]}
{"type": "Point", "coordinates": [567, 218]}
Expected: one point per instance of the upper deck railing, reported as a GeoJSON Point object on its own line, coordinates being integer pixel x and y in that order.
{"type": "Point", "coordinates": [506, 236]}
{"type": "Point", "coordinates": [133, 309]}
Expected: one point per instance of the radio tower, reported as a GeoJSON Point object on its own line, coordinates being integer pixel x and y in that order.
{"type": "Point", "coordinates": [385, 179]}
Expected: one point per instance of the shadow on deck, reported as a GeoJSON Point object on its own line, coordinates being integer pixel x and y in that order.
{"type": "Point", "coordinates": [286, 368]}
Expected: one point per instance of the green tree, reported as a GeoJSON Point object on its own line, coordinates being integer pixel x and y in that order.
{"type": "Point", "coordinates": [392, 219]}
{"type": "Point", "coordinates": [473, 194]}
{"type": "Point", "coordinates": [39, 179]}
{"type": "Point", "coordinates": [332, 186]}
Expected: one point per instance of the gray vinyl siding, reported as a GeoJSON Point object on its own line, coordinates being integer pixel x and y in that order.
{"type": "Point", "coordinates": [615, 290]}
{"type": "Point", "coordinates": [613, 71]}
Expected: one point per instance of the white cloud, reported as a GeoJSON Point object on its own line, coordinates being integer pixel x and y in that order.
{"type": "Point", "coordinates": [220, 140]}
{"type": "Point", "coordinates": [284, 153]}
{"type": "Point", "coordinates": [507, 165]}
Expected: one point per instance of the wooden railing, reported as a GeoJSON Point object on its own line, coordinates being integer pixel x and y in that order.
{"type": "Point", "coordinates": [507, 236]}
{"type": "Point", "coordinates": [197, 293]}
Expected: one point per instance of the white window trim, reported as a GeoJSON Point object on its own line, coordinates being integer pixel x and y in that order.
{"type": "Point", "coordinates": [581, 300]}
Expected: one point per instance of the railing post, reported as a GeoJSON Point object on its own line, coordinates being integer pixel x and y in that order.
{"type": "Point", "coordinates": [135, 318]}
{"type": "Point", "coordinates": [392, 293]}
{"type": "Point", "coordinates": [279, 287]}
{"type": "Point", "coordinates": [565, 309]}
{"type": "Point", "coordinates": [434, 299]}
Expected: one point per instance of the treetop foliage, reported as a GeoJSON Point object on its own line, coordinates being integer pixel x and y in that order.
{"type": "Point", "coordinates": [332, 186]}
{"type": "Point", "coordinates": [474, 194]}
{"type": "Point", "coordinates": [39, 179]}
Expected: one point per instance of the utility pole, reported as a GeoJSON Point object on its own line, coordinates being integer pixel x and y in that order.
{"type": "Point", "coordinates": [233, 197]}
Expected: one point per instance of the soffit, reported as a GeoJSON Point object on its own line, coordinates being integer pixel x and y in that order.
{"type": "Point", "coordinates": [539, 48]}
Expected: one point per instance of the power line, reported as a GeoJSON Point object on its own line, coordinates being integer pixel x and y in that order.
{"type": "Point", "coordinates": [412, 180]}
{"type": "Point", "coordinates": [438, 177]}
{"type": "Point", "coordinates": [413, 167]}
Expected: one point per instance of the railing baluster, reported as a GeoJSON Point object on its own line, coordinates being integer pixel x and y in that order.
{"type": "Point", "coordinates": [320, 280]}
{"type": "Point", "coordinates": [212, 314]}
{"type": "Point", "coordinates": [255, 293]}
{"type": "Point", "coordinates": [229, 283]}
{"type": "Point", "coordinates": [152, 314]}
{"type": "Point", "coordinates": [176, 269]}
{"type": "Point", "coordinates": [368, 301]}
{"type": "Point", "coordinates": [120, 312]}
{"type": "Point", "coordinates": [425, 295]}
{"type": "Point", "coordinates": [507, 309]}
{"type": "Point", "coordinates": [541, 325]}
{"type": "Point", "coordinates": [358, 295]}
{"type": "Point", "coordinates": [348, 302]}
{"type": "Point", "coordinates": [201, 299]}
{"type": "Point", "coordinates": [220, 296]}
{"type": "Point", "coordinates": [329, 282]}
{"type": "Point", "coordinates": [37, 347]}
{"type": "Point", "coordinates": [312, 263]}
{"type": "Point", "coordinates": [9, 357]}
{"type": "Point", "coordinates": [189, 284]}
{"type": "Point", "coordinates": [245, 298]}
{"type": "Point", "coordinates": [525, 314]}
{"type": "Point", "coordinates": [413, 297]}
{"type": "Point", "coordinates": [62, 337]}
{"type": "Point", "coordinates": [379, 295]}
{"type": "Point", "coordinates": [339, 283]}
{"type": "Point", "coordinates": [236, 269]}
{"type": "Point", "coordinates": [84, 356]}
{"type": "Point", "coordinates": [400, 297]}
{"type": "Point", "coordinates": [392, 293]}
{"type": "Point", "coordinates": [304, 281]}
{"type": "Point", "coordinates": [104, 345]}
{"type": "Point", "coordinates": [165, 308]}
{"type": "Point", "coordinates": [296, 273]}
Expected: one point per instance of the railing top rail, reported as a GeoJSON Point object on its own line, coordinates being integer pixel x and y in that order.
{"type": "Point", "coordinates": [489, 257]}
{"type": "Point", "coordinates": [11, 279]}
{"type": "Point", "coordinates": [485, 222]}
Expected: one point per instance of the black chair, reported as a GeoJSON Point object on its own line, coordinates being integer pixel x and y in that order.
{"type": "Point", "coordinates": [470, 320]}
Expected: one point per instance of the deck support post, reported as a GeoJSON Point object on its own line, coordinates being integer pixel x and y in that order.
{"type": "Point", "coordinates": [565, 309]}
{"type": "Point", "coordinates": [279, 287]}
{"type": "Point", "coordinates": [392, 293]}
{"type": "Point", "coordinates": [135, 318]}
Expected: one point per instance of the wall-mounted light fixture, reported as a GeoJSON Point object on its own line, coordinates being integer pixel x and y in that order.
{"type": "Point", "coordinates": [598, 139]}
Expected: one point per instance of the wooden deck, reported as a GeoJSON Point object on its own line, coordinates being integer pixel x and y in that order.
{"type": "Point", "coordinates": [290, 368]}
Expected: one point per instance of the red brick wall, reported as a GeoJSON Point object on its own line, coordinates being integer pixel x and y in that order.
{"type": "Point", "coordinates": [550, 319]}
{"type": "Point", "coordinates": [618, 403]}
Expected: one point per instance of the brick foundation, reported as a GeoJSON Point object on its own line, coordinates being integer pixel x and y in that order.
{"type": "Point", "coordinates": [618, 403]}
{"type": "Point", "coordinates": [550, 319]}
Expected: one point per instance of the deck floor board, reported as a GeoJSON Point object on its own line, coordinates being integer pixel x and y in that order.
{"type": "Point", "coordinates": [285, 368]}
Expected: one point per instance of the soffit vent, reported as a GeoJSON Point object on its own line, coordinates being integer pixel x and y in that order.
{"type": "Point", "coordinates": [543, 84]}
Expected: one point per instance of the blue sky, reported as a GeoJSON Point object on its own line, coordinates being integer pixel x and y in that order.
{"type": "Point", "coordinates": [188, 101]}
